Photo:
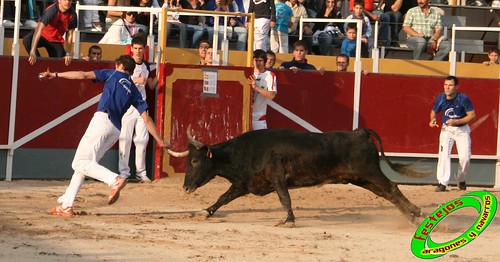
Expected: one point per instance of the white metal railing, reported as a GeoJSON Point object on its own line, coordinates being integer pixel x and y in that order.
{"type": "Point", "coordinates": [156, 11]}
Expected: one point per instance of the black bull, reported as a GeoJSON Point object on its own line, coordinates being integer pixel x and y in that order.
{"type": "Point", "coordinates": [263, 161]}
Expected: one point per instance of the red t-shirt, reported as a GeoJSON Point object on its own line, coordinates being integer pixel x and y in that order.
{"type": "Point", "coordinates": [57, 23]}
{"type": "Point", "coordinates": [368, 5]}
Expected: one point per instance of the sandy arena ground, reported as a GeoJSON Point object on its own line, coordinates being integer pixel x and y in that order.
{"type": "Point", "coordinates": [157, 222]}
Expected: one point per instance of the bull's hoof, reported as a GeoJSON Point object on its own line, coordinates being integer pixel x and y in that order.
{"type": "Point", "coordinates": [285, 224]}
{"type": "Point", "coordinates": [202, 215]}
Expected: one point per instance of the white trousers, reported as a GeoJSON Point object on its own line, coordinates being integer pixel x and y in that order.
{"type": "Point", "coordinates": [261, 33]}
{"type": "Point", "coordinates": [131, 121]}
{"type": "Point", "coordinates": [99, 137]}
{"type": "Point", "coordinates": [259, 124]}
{"type": "Point", "coordinates": [279, 42]}
{"type": "Point", "coordinates": [449, 135]}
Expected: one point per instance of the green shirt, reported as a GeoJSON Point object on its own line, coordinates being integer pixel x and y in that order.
{"type": "Point", "coordinates": [418, 21]}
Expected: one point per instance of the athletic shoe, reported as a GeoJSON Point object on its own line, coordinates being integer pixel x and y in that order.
{"type": "Point", "coordinates": [441, 188]}
{"type": "Point", "coordinates": [8, 23]}
{"type": "Point", "coordinates": [144, 179]}
{"type": "Point", "coordinates": [30, 23]}
{"type": "Point", "coordinates": [119, 183]}
{"type": "Point", "coordinates": [60, 211]}
{"type": "Point", "coordinates": [495, 3]}
{"type": "Point", "coordinates": [462, 186]}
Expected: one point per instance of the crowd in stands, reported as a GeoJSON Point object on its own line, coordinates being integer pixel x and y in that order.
{"type": "Point", "coordinates": [276, 25]}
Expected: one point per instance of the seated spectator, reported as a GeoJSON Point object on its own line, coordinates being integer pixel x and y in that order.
{"type": "Point", "coordinates": [298, 11]}
{"type": "Point", "coordinates": [95, 54]}
{"type": "Point", "coordinates": [143, 18]}
{"type": "Point", "coordinates": [366, 32]}
{"type": "Point", "coordinates": [91, 17]}
{"type": "Point", "coordinates": [424, 29]}
{"type": "Point", "coordinates": [326, 34]}
{"type": "Point", "coordinates": [113, 16]}
{"type": "Point", "coordinates": [299, 60]}
{"type": "Point", "coordinates": [493, 56]}
{"type": "Point", "coordinates": [29, 13]}
{"type": "Point", "coordinates": [349, 44]}
{"type": "Point", "coordinates": [376, 15]}
{"type": "Point", "coordinates": [174, 26]}
{"type": "Point", "coordinates": [396, 9]}
{"type": "Point", "coordinates": [202, 51]}
{"type": "Point", "coordinates": [342, 63]}
{"type": "Point", "coordinates": [271, 59]}
{"type": "Point", "coordinates": [196, 24]}
{"type": "Point", "coordinates": [236, 25]}
{"type": "Point", "coordinates": [279, 33]}
{"type": "Point", "coordinates": [122, 30]}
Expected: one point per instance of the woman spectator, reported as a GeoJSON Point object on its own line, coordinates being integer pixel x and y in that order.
{"type": "Point", "coordinates": [122, 30]}
{"type": "Point", "coordinates": [327, 33]}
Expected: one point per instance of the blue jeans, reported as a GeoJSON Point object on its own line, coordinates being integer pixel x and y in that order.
{"type": "Point", "coordinates": [383, 25]}
{"type": "Point", "coordinates": [198, 32]}
{"type": "Point", "coordinates": [238, 32]}
{"type": "Point", "coordinates": [396, 22]}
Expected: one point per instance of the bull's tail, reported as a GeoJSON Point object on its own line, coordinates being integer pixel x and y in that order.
{"type": "Point", "coordinates": [403, 169]}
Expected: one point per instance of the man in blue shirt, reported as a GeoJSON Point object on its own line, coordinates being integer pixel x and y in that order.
{"type": "Point", "coordinates": [118, 95]}
{"type": "Point", "coordinates": [457, 113]}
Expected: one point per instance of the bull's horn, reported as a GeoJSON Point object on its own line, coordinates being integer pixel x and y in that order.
{"type": "Point", "coordinates": [193, 141]}
{"type": "Point", "coordinates": [177, 154]}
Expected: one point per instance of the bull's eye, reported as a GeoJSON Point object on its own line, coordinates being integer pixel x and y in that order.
{"type": "Point", "coordinates": [194, 162]}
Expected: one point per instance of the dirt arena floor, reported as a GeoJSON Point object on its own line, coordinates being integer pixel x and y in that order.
{"type": "Point", "coordinates": [157, 222]}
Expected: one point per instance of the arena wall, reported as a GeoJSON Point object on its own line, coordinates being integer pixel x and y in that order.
{"type": "Point", "coordinates": [395, 106]}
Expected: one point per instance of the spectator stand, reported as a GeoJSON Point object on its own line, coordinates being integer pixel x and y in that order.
{"type": "Point", "coordinates": [162, 25]}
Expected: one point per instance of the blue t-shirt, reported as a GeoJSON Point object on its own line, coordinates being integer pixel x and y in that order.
{"type": "Point", "coordinates": [118, 94]}
{"type": "Point", "coordinates": [283, 15]}
{"type": "Point", "coordinates": [348, 47]}
{"type": "Point", "coordinates": [455, 108]}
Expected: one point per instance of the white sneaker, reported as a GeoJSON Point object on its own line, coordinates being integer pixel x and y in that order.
{"type": "Point", "coordinates": [30, 23]}
{"type": "Point", "coordinates": [144, 179]}
{"type": "Point", "coordinates": [8, 23]}
{"type": "Point", "coordinates": [495, 3]}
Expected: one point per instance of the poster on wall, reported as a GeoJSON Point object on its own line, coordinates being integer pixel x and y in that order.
{"type": "Point", "coordinates": [210, 82]}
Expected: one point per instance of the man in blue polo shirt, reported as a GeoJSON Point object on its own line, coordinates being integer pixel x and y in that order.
{"type": "Point", "coordinates": [118, 95]}
{"type": "Point", "coordinates": [457, 113]}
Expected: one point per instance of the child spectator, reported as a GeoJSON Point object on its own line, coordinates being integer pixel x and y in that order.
{"type": "Point", "coordinates": [279, 33]}
{"type": "Point", "coordinates": [493, 56]}
{"type": "Point", "coordinates": [203, 46]}
{"type": "Point", "coordinates": [263, 82]}
{"type": "Point", "coordinates": [271, 59]}
{"type": "Point", "coordinates": [357, 13]}
{"type": "Point", "coordinates": [209, 56]}
{"type": "Point", "coordinates": [349, 44]}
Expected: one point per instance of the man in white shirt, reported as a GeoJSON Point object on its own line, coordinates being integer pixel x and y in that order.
{"type": "Point", "coordinates": [263, 83]}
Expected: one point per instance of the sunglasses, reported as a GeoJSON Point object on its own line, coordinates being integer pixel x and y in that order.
{"type": "Point", "coordinates": [95, 53]}
{"type": "Point", "coordinates": [132, 13]}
